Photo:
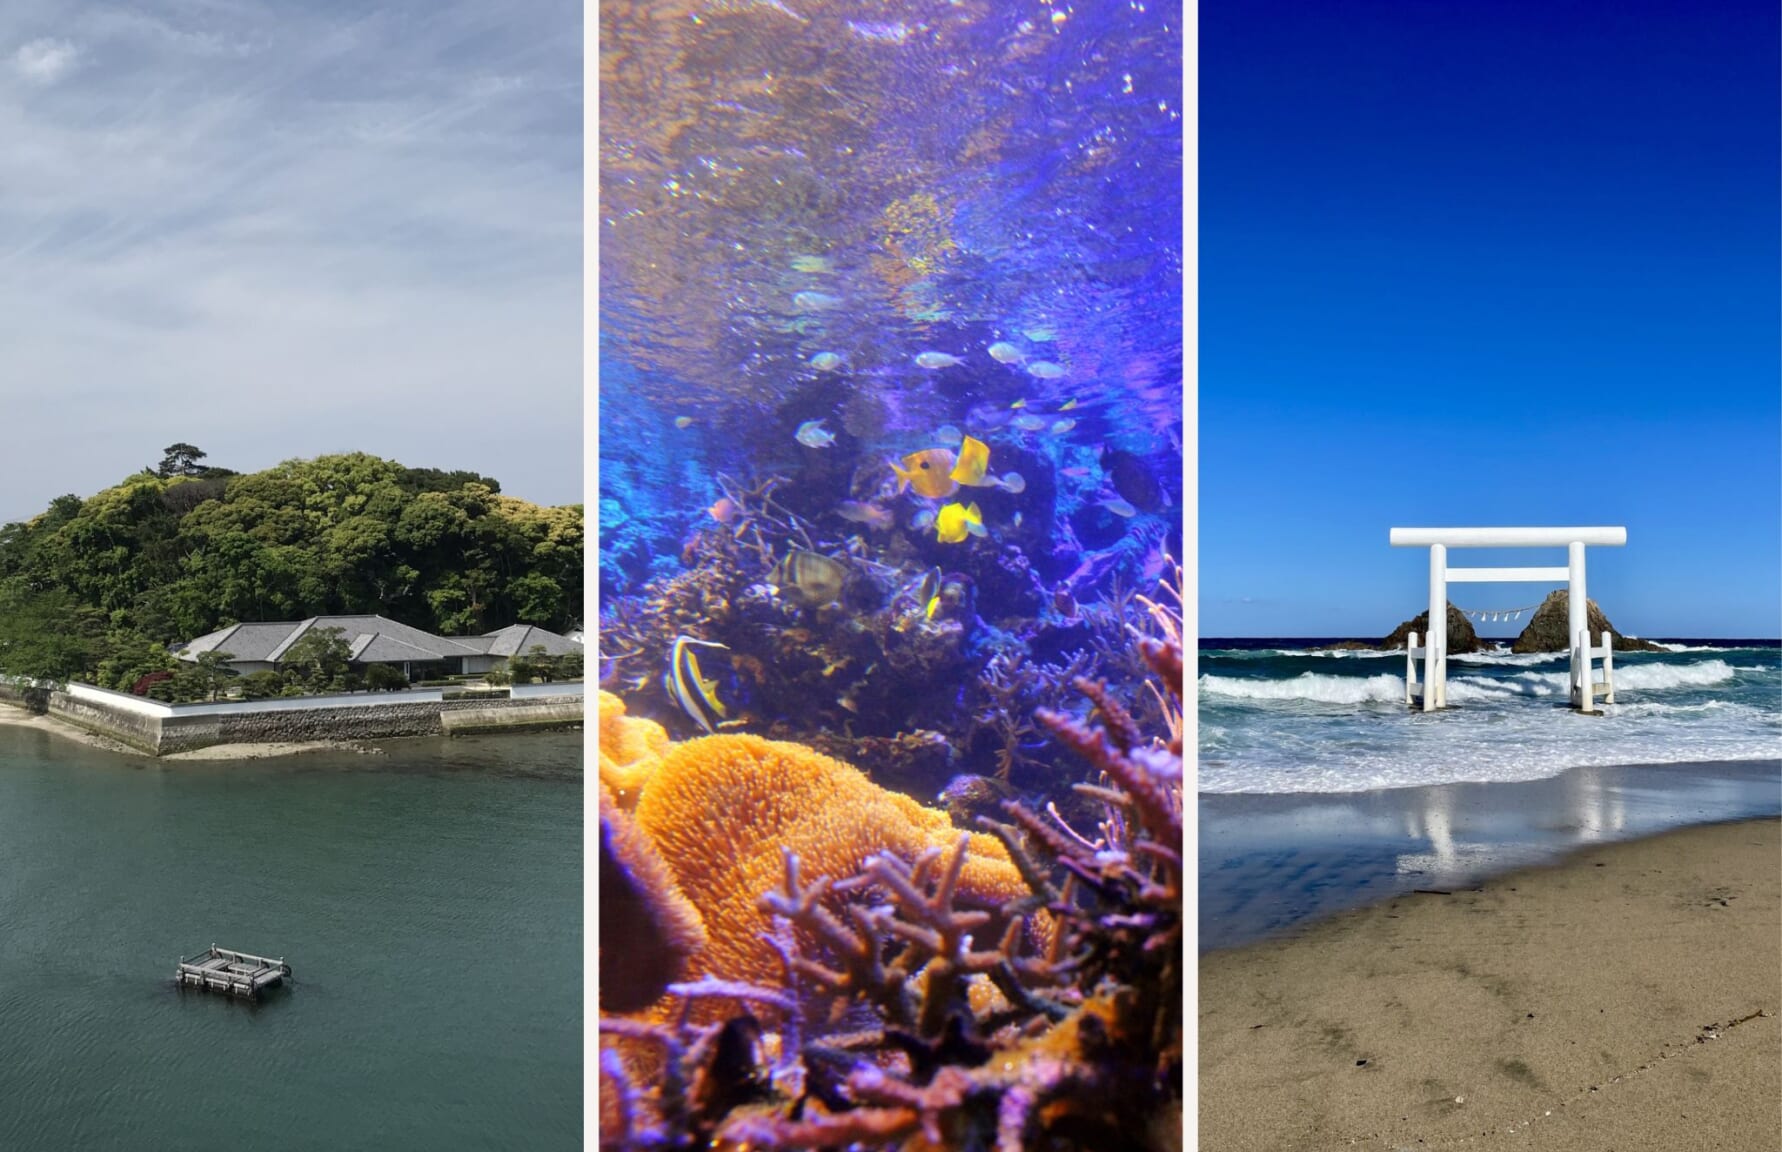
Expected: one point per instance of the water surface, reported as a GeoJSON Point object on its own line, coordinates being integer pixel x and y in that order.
{"type": "Point", "coordinates": [1272, 863]}
{"type": "Point", "coordinates": [428, 900]}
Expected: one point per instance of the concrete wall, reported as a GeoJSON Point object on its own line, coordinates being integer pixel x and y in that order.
{"type": "Point", "coordinates": [509, 716]}
{"type": "Point", "coordinates": [157, 729]}
{"type": "Point", "coordinates": [129, 720]}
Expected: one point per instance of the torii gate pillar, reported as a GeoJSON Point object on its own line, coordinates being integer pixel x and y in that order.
{"type": "Point", "coordinates": [1439, 540]}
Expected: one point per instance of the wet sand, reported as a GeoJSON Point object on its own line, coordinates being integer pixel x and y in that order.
{"type": "Point", "coordinates": [264, 751]}
{"type": "Point", "coordinates": [12, 716]}
{"type": "Point", "coordinates": [1272, 862]}
{"type": "Point", "coordinates": [1625, 998]}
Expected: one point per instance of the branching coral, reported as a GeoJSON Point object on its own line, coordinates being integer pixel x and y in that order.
{"type": "Point", "coordinates": [1011, 691]}
{"type": "Point", "coordinates": [900, 1030]}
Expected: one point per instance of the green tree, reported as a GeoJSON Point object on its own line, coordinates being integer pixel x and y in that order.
{"type": "Point", "coordinates": [530, 666]}
{"type": "Point", "coordinates": [47, 635]}
{"type": "Point", "coordinates": [183, 549]}
{"type": "Point", "coordinates": [384, 678]}
{"type": "Point", "coordinates": [569, 666]}
{"type": "Point", "coordinates": [180, 460]}
{"type": "Point", "coordinates": [318, 659]}
{"type": "Point", "coordinates": [126, 656]}
{"type": "Point", "coordinates": [261, 685]}
{"type": "Point", "coordinates": [210, 673]}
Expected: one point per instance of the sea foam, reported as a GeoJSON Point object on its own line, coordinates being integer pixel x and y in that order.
{"type": "Point", "coordinates": [1311, 686]}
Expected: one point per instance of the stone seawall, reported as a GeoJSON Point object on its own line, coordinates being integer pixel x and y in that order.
{"type": "Point", "coordinates": [519, 716]}
{"type": "Point", "coordinates": [159, 735]}
{"type": "Point", "coordinates": [131, 729]}
{"type": "Point", "coordinates": [295, 725]}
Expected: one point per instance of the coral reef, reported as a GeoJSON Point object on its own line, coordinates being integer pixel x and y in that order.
{"type": "Point", "coordinates": [877, 663]}
{"type": "Point", "coordinates": [720, 811]}
{"type": "Point", "coordinates": [861, 676]}
{"type": "Point", "coordinates": [642, 906]}
{"type": "Point", "coordinates": [879, 1008]}
{"type": "Point", "coordinates": [630, 748]}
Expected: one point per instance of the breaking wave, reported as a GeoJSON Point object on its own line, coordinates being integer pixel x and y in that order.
{"type": "Point", "coordinates": [1382, 689]}
{"type": "Point", "coordinates": [1335, 725]}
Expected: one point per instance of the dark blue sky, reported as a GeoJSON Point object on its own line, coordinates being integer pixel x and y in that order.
{"type": "Point", "coordinates": [1505, 263]}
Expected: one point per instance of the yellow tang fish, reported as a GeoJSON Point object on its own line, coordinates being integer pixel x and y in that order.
{"type": "Point", "coordinates": [1068, 405]}
{"type": "Point", "coordinates": [933, 603]}
{"type": "Point", "coordinates": [974, 462]}
{"type": "Point", "coordinates": [956, 521]}
{"type": "Point", "coordinates": [927, 472]}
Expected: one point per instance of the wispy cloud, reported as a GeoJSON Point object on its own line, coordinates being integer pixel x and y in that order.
{"type": "Point", "coordinates": [44, 61]}
{"type": "Point", "coordinates": [276, 230]}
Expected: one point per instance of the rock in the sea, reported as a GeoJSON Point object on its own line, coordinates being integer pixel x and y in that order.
{"type": "Point", "coordinates": [1461, 637]}
{"type": "Point", "coordinates": [1547, 631]}
{"type": "Point", "coordinates": [1348, 646]}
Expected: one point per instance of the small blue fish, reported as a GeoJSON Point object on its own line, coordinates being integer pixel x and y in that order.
{"type": "Point", "coordinates": [812, 435]}
{"type": "Point", "coordinates": [815, 301]}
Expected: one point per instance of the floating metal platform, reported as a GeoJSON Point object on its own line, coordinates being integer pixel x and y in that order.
{"type": "Point", "coordinates": [236, 973]}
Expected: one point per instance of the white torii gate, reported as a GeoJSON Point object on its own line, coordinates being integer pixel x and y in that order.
{"type": "Point", "coordinates": [1435, 647]}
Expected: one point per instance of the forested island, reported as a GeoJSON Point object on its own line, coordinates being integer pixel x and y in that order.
{"type": "Point", "coordinates": [100, 589]}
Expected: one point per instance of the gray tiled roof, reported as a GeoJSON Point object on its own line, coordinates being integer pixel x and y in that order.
{"type": "Point", "coordinates": [476, 643]}
{"type": "Point", "coordinates": [372, 639]}
{"type": "Point", "coordinates": [255, 642]}
{"type": "Point", "coordinates": [519, 639]}
{"type": "Point", "coordinates": [378, 648]}
{"type": "Point", "coordinates": [435, 647]}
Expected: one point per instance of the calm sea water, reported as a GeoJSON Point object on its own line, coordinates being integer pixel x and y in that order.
{"type": "Point", "coordinates": [428, 901]}
{"type": "Point", "coordinates": [1279, 716]}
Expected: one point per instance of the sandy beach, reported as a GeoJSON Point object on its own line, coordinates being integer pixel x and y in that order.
{"type": "Point", "coordinates": [1625, 998]}
{"type": "Point", "coordinates": [265, 751]}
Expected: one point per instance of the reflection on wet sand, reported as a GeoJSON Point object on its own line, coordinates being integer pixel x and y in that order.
{"type": "Point", "coordinates": [1270, 862]}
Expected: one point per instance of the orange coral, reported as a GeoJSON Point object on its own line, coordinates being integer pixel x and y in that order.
{"type": "Point", "coordinates": [720, 809]}
{"type": "Point", "coordinates": [630, 748]}
{"type": "Point", "coordinates": [649, 932]}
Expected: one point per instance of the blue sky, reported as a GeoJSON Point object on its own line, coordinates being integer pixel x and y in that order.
{"type": "Point", "coordinates": [1513, 263]}
{"type": "Point", "coordinates": [278, 229]}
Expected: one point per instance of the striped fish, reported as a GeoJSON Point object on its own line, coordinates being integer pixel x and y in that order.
{"type": "Point", "coordinates": [815, 577]}
{"type": "Point", "coordinates": [929, 586]}
{"type": "Point", "coordinates": [697, 696]}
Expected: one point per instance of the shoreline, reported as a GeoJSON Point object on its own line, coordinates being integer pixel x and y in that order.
{"type": "Point", "coordinates": [13, 716]}
{"type": "Point", "coordinates": [1274, 864]}
{"type": "Point", "coordinates": [1625, 996]}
